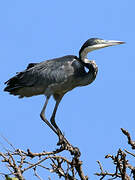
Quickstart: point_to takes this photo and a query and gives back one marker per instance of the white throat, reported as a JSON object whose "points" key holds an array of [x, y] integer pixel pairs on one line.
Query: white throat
{"points": [[84, 53], [91, 48]]}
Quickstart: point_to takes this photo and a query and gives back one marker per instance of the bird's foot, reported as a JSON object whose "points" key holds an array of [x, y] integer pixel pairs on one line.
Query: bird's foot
{"points": [[65, 145], [62, 139], [76, 152]]}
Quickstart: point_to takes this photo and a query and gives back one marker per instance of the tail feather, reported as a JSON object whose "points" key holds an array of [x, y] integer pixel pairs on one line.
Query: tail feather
{"points": [[13, 84], [22, 83]]}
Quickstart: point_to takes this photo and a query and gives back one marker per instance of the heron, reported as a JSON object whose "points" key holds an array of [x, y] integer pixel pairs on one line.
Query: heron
{"points": [[55, 77]]}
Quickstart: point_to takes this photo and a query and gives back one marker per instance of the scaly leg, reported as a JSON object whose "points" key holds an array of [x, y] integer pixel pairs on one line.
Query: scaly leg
{"points": [[54, 113], [42, 115], [61, 136]]}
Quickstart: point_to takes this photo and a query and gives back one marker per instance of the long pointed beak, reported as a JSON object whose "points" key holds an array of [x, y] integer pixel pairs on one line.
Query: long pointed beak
{"points": [[113, 42]]}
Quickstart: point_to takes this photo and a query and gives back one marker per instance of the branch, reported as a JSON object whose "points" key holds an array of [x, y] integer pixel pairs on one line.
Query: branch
{"points": [[120, 162], [18, 162], [132, 143]]}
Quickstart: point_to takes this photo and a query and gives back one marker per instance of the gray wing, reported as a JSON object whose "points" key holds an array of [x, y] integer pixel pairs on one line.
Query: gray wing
{"points": [[40, 75]]}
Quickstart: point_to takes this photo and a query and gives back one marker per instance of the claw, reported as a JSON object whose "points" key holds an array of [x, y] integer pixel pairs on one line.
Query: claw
{"points": [[61, 138]]}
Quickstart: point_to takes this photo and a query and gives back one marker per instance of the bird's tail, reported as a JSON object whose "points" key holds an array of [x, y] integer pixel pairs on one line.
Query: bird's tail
{"points": [[16, 83], [13, 85]]}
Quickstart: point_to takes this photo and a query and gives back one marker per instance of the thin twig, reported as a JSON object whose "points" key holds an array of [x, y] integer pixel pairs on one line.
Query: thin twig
{"points": [[8, 141]]}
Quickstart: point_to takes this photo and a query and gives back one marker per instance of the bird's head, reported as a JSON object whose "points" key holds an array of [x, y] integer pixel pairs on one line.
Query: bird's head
{"points": [[96, 43]]}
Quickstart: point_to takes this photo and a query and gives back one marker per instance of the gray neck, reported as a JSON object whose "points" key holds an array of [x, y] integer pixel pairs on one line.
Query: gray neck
{"points": [[91, 74], [83, 54]]}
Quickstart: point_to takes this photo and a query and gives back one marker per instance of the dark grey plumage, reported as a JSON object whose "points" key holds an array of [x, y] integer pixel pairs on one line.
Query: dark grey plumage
{"points": [[57, 76]]}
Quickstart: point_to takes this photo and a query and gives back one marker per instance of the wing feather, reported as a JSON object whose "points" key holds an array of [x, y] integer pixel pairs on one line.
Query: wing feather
{"points": [[42, 74]]}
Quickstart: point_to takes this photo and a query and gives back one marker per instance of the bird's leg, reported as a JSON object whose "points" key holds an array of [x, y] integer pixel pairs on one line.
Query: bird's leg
{"points": [[61, 136], [42, 115], [53, 115], [62, 140]]}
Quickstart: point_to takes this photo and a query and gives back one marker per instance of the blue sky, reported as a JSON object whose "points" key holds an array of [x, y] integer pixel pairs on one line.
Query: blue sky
{"points": [[90, 116]]}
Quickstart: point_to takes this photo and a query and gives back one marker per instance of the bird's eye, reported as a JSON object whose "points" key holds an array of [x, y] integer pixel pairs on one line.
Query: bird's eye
{"points": [[97, 41]]}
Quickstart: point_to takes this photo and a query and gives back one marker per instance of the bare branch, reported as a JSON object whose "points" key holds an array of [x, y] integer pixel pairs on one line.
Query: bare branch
{"points": [[35, 173], [8, 141], [120, 162], [132, 143]]}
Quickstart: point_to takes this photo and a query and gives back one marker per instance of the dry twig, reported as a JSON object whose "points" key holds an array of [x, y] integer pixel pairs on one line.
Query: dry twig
{"points": [[120, 162], [19, 161]]}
